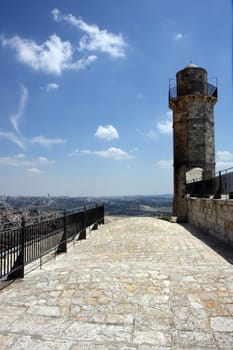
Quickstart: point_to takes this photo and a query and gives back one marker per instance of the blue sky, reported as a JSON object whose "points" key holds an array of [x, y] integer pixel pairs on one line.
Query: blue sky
{"points": [[84, 87]]}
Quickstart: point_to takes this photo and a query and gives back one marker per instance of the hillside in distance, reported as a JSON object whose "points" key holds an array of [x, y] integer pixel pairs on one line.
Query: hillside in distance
{"points": [[156, 205]]}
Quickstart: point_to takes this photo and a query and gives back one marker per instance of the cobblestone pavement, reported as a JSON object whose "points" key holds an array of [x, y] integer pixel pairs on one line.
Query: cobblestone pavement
{"points": [[135, 283]]}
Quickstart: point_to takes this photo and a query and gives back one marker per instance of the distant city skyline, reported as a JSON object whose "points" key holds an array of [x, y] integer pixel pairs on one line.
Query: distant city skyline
{"points": [[84, 92]]}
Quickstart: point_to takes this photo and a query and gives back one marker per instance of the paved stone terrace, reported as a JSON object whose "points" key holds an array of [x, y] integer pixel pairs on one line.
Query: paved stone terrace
{"points": [[135, 283]]}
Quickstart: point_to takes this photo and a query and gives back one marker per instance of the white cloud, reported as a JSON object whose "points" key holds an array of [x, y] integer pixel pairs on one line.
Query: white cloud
{"points": [[178, 36], [224, 160], [14, 119], [151, 134], [165, 126], [14, 138], [107, 132], [50, 86], [34, 171], [46, 142], [94, 39], [52, 56], [43, 161], [13, 161], [21, 160], [82, 63], [56, 15], [20, 156], [224, 155], [112, 152], [164, 164]]}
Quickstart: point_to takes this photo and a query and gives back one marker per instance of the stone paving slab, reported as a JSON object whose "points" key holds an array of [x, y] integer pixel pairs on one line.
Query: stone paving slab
{"points": [[135, 283]]}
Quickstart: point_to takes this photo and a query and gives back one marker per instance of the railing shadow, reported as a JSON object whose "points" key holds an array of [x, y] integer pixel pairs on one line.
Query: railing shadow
{"points": [[220, 247]]}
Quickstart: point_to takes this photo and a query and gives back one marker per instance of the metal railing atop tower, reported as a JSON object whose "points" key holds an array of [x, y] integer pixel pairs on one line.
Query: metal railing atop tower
{"points": [[221, 184], [197, 88]]}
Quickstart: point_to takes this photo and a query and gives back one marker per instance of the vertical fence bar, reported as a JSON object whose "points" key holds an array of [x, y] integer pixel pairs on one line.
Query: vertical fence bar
{"points": [[83, 224], [18, 268], [95, 215], [220, 183], [102, 214], [23, 234], [4, 261], [62, 248]]}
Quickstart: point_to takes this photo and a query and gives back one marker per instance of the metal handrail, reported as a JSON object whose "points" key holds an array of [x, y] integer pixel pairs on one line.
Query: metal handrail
{"points": [[198, 87], [221, 184], [29, 242]]}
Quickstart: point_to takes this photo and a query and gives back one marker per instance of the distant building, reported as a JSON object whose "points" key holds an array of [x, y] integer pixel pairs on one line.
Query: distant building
{"points": [[192, 101]]}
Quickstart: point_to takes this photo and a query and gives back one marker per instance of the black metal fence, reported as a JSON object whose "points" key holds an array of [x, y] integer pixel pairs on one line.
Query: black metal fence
{"points": [[217, 186], [195, 88], [24, 244]]}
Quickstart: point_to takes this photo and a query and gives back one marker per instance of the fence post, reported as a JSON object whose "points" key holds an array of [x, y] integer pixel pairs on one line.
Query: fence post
{"points": [[18, 268], [102, 213], [220, 183], [62, 248], [219, 190], [21, 270], [96, 216], [84, 225]]}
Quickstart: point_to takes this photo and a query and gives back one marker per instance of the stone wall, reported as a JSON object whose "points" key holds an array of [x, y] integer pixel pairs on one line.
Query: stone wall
{"points": [[214, 216]]}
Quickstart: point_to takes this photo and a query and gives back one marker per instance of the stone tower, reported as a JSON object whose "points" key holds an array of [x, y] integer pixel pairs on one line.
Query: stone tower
{"points": [[192, 101]]}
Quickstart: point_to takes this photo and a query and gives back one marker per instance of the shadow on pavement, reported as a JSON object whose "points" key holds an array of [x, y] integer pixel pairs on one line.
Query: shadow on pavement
{"points": [[220, 247]]}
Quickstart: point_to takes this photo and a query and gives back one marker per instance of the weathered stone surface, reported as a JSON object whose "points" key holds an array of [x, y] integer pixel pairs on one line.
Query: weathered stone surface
{"points": [[27, 342], [222, 324], [224, 340], [152, 338], [214, 216], [193, 340], [135, 284], [193, 132]]}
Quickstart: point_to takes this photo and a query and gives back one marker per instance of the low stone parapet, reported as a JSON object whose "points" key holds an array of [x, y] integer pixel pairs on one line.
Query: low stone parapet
{"points": [[214, 216]]}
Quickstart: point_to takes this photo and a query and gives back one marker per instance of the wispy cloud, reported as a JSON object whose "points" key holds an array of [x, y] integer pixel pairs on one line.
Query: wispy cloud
{"points": [[224, 156], [14, 138], [19, 160], [50, 86], [46, 142], [43, 161], [164, 164], [20, 156], [151, 134], [52, 56], [165, 126], [112, 152], [94, 38], [35, 171], [224, 160], [107, 132], [14, 118]]}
